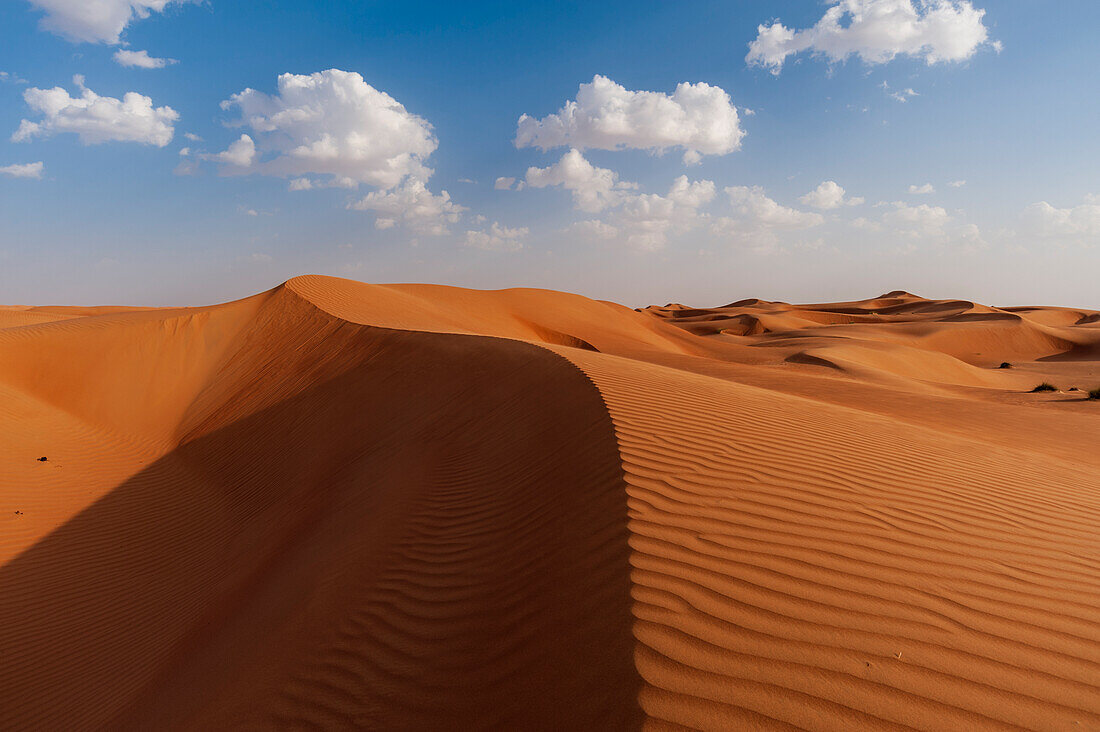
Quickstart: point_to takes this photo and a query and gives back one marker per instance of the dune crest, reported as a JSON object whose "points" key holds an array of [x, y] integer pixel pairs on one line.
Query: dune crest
{"points": [[345, 505]]}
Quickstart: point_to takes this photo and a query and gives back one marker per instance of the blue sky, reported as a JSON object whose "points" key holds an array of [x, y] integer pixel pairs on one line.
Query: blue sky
{"points": [[1001, 95]]}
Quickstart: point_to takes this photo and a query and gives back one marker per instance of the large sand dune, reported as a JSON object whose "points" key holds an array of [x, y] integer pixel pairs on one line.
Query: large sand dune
{"points": [[339, 505]]}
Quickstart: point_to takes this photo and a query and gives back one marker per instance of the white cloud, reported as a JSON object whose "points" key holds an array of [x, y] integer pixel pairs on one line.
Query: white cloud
{"points": [[240, 153], [922, 219], [95, 21], [829, 195], [255, 212], [1046, 221], [498, 238], [6, 77], [921, 225], [192, 137], [957, 183], [595, 229], [922, 190], [141, 59], [699, 118], [877, 31], [866, 224], [188, 164], [342, 132], [755, 209], [503, 184], [641, 220], [23, 170], [97, 119], [646, 220], [969, 237], [594, 189], [903, 95], [414, 205], [335, 123]]}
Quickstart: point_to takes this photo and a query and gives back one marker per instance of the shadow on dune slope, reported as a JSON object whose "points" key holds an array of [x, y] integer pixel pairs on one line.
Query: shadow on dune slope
{"points": [[406, 529]]}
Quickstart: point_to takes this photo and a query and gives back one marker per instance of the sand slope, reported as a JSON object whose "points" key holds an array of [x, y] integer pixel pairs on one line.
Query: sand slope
{"points": [[341, 505]]}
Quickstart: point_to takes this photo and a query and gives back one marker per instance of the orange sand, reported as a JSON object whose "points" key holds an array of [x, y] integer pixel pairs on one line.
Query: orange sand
{"points": [[341, 505]]}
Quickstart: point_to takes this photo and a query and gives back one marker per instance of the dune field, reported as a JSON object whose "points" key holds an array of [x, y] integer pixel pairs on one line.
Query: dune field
{"points": [[337, 505]]}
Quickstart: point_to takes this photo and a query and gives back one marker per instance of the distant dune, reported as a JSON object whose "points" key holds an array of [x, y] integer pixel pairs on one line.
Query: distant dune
{"points": [[338, 505]]}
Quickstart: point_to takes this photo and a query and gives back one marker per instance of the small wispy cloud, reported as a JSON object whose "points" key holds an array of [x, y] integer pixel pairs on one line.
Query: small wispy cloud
{"points": [[141, 59], [23, 170], [901, 95]]}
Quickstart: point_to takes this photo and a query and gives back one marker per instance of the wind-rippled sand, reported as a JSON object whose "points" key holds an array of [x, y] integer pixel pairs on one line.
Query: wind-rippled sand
{"points": [[337, 505]]}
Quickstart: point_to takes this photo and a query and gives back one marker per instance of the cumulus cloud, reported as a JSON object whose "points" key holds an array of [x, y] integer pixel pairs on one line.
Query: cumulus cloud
{"points": [[922, 219], [758, 222], [1046, 221], [498, 238], [23, 170], [919, 225], [95, 21], [641, 220], [97, 119], [699, 118], [594, 189], [647, 220], [969, 237], [595, 229], [6, 77], [240, 153], [141, 59], [333, 129], [414, 205], [755, 209], [333, 123], [877, 31], [866, 224], [504, 184], [922, 190], [829, 195], [957, 183]]}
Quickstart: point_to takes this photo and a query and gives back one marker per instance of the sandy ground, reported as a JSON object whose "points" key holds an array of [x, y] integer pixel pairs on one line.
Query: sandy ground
{"points": [[339, 505]]}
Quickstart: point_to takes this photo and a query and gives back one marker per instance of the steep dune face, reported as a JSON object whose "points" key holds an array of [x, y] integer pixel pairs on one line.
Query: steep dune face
{"points": [[342, 505], [356, 527]]}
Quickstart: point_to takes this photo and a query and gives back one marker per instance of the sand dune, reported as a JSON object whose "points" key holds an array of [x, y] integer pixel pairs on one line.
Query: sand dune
{"points": [[342, 505]]}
